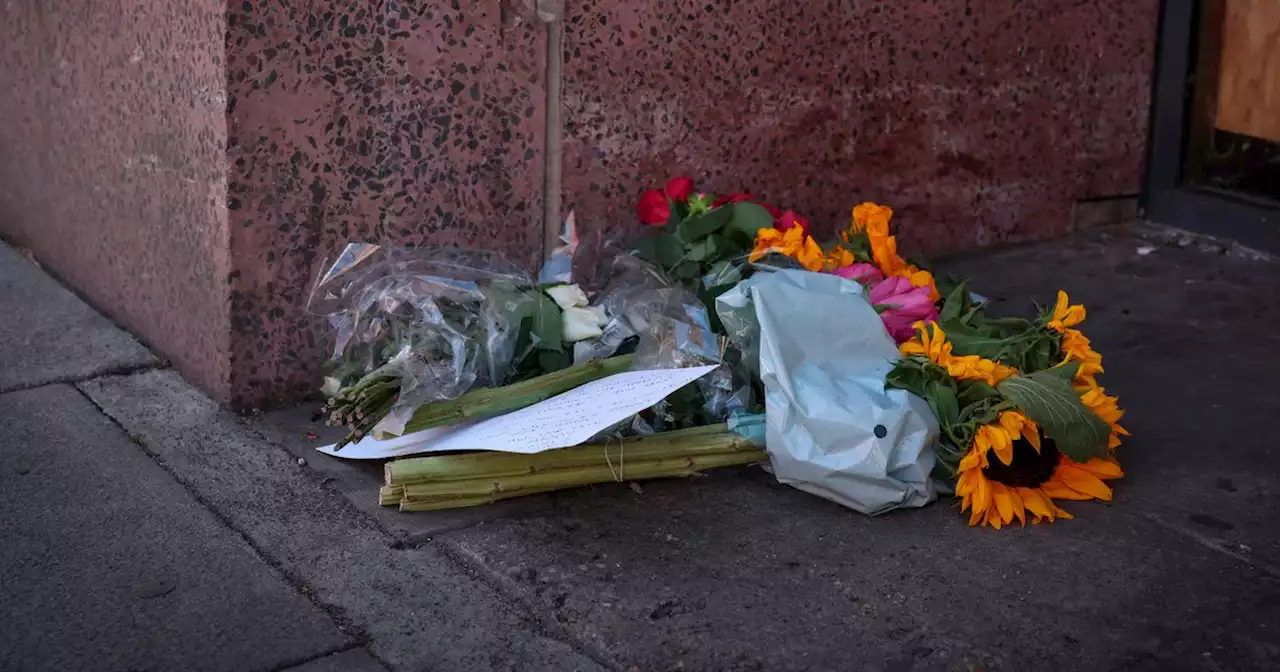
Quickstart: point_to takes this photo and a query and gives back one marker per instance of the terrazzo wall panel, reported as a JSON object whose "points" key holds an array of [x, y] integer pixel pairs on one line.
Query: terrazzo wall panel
{"points": [[113, 167], [189, 165], [979, 122], [409, 121]]}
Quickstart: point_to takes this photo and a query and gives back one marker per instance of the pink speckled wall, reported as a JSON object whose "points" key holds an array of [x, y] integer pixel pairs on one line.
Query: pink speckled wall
{"points": [[112, 164], [980, 122], [189, 165], [409, 122]]}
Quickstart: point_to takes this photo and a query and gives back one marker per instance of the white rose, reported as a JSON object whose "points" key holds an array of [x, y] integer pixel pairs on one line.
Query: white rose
{"points": [[582, 323], [331, 386], [568, 296]]}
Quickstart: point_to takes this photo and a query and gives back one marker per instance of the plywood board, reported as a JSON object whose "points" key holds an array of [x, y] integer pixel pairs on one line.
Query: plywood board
{"points": [[1249, 74]]}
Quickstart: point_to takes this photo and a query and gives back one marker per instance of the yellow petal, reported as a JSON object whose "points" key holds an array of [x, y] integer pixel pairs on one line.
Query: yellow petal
{"points": [[1037, 502], [1063, 514], [1059, 490], [1060, 307], [1102, 468], [1032, 435], [982, 496], [1082, 481], [1004, 451], [1018, 510], [1004, 502]]}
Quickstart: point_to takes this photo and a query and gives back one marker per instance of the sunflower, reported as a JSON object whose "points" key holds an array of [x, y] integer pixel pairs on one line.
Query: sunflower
{"points": [[931, 342], [995, 492], [1065, 315], [1077, 348], [1105, 407]]}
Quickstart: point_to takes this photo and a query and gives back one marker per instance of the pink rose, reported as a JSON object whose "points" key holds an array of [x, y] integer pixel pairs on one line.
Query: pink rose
{"points": [[860, 272], [907, 305]]}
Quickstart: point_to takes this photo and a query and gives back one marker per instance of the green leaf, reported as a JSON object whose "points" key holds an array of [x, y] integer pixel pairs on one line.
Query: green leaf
{"points": [[1040, 354], [955, 305], [547, 324], [942, 399], [1065, 372], [748, 218], [967, 341], [688, 270], [697, 228], [552, 360], [976, 391], [647, 248], [724, 272], [1050, 401], [911, 374], [668, 250], [709, 248]]}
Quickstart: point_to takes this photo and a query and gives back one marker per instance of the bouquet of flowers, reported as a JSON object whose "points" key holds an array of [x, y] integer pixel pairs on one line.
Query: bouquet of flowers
{"points": [[1023, 419], [419, 329], [426, 341]]}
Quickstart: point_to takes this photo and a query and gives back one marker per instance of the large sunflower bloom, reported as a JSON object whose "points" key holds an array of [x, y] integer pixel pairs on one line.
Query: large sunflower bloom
{"points": [[996, 493], [931, 342]]}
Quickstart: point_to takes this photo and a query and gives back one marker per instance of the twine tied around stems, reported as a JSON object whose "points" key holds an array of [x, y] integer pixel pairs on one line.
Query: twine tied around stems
{"points": [[622, 457]]}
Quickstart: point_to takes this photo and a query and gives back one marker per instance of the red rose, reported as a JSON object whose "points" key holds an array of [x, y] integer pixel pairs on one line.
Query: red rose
{"points": [[789, 219], [679, 188], [653, 208], [773, 211], [733, 198]]}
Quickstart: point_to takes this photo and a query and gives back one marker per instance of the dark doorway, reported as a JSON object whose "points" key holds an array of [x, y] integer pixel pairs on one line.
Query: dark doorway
{"points": [[1214, 159]]}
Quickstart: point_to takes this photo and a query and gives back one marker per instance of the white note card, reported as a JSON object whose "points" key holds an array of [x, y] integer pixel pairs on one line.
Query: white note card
{"points": [[564, 420]]}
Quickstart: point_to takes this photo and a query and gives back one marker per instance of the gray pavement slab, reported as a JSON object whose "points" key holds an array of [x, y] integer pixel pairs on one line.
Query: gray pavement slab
{"points": [[107, 563], [297, 431], [418, 607], [355, 660], [49, 335], [735, 572]]}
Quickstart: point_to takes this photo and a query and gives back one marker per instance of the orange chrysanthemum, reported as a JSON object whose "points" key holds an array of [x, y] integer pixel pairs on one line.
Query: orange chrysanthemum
{"points": [[873, 220], [793, 243]]}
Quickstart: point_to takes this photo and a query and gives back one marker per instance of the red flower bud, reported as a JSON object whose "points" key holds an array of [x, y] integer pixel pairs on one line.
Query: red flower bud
{"points": [[653, 208], [679, 188]]}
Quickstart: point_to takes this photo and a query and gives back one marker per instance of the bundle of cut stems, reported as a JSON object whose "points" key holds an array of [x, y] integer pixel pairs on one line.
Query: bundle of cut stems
{"points": [[471, 479], [479, 403]]}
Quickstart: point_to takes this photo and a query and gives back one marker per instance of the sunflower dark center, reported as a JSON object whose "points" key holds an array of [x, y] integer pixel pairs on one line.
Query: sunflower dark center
{"points": [[1029, 469]]}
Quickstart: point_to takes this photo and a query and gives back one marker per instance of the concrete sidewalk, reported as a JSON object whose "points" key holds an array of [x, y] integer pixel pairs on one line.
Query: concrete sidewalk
{"points": [[145, 528]]}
